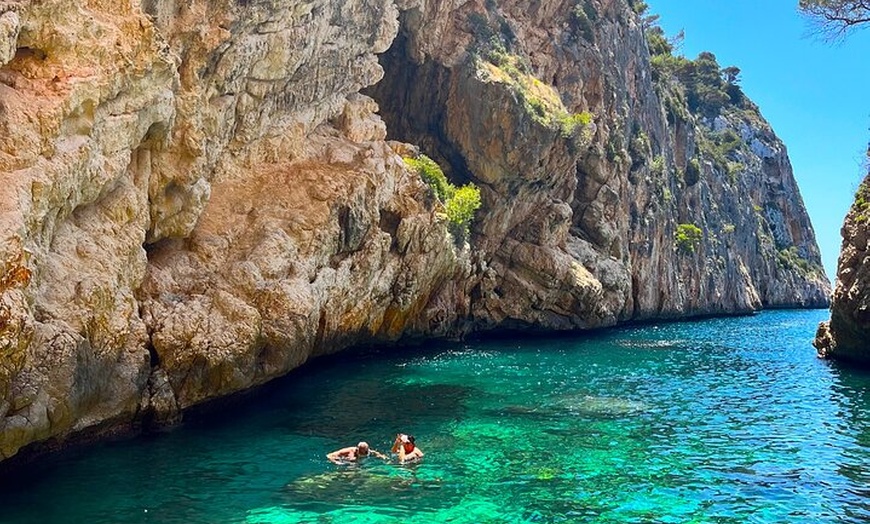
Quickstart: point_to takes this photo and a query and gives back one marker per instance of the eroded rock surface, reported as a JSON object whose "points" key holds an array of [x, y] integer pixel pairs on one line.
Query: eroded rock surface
{"points": [[198, 197], [847, 334]]}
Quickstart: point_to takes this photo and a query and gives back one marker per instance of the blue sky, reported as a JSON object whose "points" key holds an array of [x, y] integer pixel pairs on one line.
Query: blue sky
{"points": [[815, 94]]}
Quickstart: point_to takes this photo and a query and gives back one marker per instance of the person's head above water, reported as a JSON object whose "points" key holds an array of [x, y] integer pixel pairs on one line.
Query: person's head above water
{"points": [[363, 448], [406, 447], [407, 442]]}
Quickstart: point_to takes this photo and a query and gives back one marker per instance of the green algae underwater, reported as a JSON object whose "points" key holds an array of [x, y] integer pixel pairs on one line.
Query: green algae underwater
{"points": [[727, 420]]}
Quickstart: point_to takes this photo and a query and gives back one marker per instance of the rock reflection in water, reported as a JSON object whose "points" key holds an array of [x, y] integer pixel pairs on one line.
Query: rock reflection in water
{"points": [[371, 404]]}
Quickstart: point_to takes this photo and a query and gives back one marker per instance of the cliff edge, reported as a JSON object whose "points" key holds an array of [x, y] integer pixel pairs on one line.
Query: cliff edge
{"points": [[200, 196], [845, 336]]}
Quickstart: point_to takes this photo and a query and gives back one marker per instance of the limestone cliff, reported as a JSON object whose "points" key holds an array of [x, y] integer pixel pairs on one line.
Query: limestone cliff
{"points": [[847, 334], [199, 196]]}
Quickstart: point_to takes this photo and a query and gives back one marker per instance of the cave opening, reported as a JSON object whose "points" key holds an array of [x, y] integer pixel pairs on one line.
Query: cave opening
{"points": [[413, 98]]}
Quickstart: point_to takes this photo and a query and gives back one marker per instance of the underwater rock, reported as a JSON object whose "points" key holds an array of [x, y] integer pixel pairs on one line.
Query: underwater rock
{"points": [[580, 405]]}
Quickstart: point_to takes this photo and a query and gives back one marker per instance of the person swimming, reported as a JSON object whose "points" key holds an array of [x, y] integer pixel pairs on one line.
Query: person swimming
{"points": [[353, 453], [405, 446]]}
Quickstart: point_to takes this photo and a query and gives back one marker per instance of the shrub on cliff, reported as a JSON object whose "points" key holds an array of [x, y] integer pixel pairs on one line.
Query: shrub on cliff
{"points": [[569, 123], [431, 173], [658, 166], [688, 238], [540, 101], [720, 148], [861, 206], [461, 207], [460, 203], [789, 258]]}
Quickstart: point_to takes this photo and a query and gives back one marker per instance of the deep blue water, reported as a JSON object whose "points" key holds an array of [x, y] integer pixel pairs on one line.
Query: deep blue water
{"points": [[727, 421]]}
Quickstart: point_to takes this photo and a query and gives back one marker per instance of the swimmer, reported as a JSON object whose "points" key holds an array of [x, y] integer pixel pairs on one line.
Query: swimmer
{"points": [[353, 453], [405, 446]]}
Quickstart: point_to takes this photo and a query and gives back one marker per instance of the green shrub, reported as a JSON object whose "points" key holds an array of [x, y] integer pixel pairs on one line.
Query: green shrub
{"points": [[688, 237], [460, 203], [639, 148], [733, 169], [640, 142], [657, 166], [862, 202], [719, 147], [639, 6], [431, 173], [540, 101], [727, 141], [665, 65], [615, 148], [461, 207], [658, 42], [569, 123], [789, 258], [584, 17], [537, 106]]}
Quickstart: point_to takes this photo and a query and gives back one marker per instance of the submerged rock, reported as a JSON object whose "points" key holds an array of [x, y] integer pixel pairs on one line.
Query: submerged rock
{"points": [[581, 405]]}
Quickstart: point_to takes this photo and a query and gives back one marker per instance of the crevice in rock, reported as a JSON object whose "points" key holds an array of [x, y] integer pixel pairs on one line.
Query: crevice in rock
{"points": [[159, 407], [154, 356], [413, 101], [389, 224], [30, 53], [23, 66], [321, 331]]}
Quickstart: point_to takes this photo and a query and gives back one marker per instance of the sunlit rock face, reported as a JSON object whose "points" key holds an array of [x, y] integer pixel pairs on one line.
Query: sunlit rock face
{"points": [[847, 334], [200, 196]]}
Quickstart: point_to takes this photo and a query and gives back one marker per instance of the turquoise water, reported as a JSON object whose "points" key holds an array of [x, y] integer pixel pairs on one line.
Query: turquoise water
{"points": [[725, 421]]}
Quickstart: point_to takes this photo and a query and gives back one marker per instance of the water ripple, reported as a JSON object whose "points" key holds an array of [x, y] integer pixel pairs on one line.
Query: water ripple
{"points": [[727, 421]]}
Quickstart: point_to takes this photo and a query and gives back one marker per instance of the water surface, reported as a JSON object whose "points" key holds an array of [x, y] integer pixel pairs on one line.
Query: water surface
{"points": [[726, 421]]}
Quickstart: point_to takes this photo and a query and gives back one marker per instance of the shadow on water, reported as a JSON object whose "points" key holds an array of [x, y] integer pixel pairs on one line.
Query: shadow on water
{"points": [[363, 407], [349, 391]]}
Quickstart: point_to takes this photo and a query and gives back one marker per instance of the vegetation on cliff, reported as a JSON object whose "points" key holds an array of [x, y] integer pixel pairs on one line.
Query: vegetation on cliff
{"points": [[706, 88], [728, 130], [540, 100], [688, 237], [460, 203]]}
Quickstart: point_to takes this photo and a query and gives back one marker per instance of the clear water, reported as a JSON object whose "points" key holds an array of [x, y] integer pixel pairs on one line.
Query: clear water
{"points": [[721, 421]]}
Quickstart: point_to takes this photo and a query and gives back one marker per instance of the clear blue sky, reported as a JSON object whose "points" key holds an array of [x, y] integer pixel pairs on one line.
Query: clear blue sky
{"points": [[815, 94]]}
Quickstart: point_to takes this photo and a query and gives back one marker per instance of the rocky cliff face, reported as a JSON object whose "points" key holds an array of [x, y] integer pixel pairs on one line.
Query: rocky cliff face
{"points": [[845, 336], [199, 196]]}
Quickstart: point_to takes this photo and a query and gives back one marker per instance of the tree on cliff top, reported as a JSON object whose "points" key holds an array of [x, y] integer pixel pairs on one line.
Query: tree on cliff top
{"points": [[836, 17], [708, 87]]}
